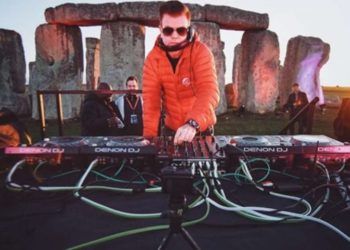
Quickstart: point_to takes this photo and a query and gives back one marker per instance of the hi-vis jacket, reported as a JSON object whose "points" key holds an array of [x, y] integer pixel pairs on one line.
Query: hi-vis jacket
{"points": [[189, 93]]}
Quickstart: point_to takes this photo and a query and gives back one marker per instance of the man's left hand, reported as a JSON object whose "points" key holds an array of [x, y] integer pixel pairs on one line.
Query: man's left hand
{"points": [[184, 133]]}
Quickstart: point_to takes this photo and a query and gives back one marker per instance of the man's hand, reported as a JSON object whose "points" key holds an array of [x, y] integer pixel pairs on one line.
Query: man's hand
{"points": [[184, 133], [115, 122]]}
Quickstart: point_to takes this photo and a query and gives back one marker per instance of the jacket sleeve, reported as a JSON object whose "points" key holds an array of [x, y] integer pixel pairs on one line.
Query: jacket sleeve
{"points": [[289, 103], [151, 91], [305, 100], [90, 118], [206, 88]]}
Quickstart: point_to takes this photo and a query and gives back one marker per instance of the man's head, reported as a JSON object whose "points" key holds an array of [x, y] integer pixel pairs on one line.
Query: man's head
{"points": [[295, 87], [175, 19], [131, 83], [104, 86]]}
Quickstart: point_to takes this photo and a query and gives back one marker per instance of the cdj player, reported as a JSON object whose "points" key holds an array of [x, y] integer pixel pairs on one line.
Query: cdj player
{"points": [[225, 150]]}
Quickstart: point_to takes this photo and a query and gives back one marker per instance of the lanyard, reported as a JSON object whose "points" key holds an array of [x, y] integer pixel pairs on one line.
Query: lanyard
{"points": [[130, 105]]}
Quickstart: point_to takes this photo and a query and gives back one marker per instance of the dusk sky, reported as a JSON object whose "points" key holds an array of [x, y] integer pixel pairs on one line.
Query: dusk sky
{"points": [[325, 19]]}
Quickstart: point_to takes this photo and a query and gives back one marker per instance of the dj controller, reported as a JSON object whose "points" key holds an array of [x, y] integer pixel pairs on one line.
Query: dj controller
{"points": [[225, 150]]}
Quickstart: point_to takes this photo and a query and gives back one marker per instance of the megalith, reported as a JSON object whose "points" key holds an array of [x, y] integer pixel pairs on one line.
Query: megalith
{"points": [[92, 56], [260, 70], [122, 52], [82, 14], [304, 60], [236, 75], [58, 66], [209, 34], [12, 73], [235, 19]]}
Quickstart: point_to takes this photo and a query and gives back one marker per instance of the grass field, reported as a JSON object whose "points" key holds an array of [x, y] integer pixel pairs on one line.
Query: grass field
{"points": [[228, 124]]}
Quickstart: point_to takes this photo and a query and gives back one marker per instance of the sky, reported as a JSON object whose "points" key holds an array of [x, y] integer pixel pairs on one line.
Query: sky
{"points": [[325, 19]]}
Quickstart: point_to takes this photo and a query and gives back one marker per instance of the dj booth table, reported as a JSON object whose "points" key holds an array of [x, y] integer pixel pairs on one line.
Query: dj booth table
{"points": [[60, 220]]}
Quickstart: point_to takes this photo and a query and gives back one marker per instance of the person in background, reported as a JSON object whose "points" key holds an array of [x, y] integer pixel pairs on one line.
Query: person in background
{"points": [[297, 100], [13, 131], [179, 75], [100, 116], [130, 107]]}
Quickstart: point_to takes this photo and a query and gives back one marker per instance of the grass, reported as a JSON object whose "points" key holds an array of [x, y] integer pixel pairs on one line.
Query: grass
{"points": [[228, 124], [271, 124]]}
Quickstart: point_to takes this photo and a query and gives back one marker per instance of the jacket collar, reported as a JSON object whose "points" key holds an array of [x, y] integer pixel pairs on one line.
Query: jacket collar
{"points": [[186, 51]]}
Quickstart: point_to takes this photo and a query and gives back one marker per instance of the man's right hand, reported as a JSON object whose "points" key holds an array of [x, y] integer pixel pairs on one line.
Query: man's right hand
{"points": [[115, 122], [185, 133], [118, 122]]}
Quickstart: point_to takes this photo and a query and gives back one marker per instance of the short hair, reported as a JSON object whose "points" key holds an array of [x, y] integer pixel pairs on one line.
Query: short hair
{"points": [[131, 78], [295, 84], [104, 86], [174, 9]]}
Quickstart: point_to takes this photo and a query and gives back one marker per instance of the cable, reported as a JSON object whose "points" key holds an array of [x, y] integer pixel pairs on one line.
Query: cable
{"points": [[104, 208], [141, 230]]}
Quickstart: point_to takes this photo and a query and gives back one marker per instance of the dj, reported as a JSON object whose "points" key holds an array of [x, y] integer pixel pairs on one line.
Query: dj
{"points": [[179, 73]]}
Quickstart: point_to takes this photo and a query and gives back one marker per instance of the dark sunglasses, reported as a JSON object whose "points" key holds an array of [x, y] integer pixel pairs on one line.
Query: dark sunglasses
{"points": [[168, 31]]}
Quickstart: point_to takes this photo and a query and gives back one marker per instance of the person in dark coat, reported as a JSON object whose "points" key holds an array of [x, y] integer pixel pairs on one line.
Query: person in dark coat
{"points": [[297, 100], [100, 116]]}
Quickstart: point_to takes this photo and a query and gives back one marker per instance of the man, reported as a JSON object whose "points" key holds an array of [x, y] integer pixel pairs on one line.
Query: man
{"points": [[130, 107], [297, 100], [179, 74], [100, 116]]}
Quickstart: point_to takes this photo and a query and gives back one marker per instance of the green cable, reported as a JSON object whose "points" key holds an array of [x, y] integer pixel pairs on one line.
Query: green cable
{"points": [[251, 161], [65, 173], [120, 168], [138, 231], [116, 180]]}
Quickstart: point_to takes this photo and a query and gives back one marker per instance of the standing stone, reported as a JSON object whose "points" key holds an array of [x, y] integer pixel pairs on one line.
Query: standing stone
{"points": [[12, 73], [231, 95], [58, 66], [304, 60], [209, 34], [122, 52], [92, 62], [236, 75], [260, 69]]}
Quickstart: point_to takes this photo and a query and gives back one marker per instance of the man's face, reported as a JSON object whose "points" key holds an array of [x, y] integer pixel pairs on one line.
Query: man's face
{"points": [[132, 85], [295, 89], [173, 22]]}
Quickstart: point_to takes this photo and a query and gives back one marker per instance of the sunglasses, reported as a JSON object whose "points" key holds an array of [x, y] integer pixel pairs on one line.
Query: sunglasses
{"points": [[168, 31]]}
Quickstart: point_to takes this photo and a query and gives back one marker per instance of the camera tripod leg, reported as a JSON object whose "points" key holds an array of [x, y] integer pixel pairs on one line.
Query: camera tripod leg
{"points": [[189, 239], [185, 235]]}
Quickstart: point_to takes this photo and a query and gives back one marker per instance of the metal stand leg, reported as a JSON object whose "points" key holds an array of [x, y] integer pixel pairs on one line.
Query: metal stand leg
{"points": [[176, 205]]}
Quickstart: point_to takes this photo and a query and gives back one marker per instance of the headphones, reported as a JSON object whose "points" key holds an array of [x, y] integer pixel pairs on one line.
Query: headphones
{"points": [[189, 39], [190, 34]]}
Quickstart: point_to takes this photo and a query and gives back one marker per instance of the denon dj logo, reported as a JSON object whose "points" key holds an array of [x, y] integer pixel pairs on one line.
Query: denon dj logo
{"points": [[265, 150], [37, 150], [117, 150]]}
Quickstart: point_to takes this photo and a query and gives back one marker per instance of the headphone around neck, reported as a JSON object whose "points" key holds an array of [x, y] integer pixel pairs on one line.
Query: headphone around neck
{"points": [[189, 39]]}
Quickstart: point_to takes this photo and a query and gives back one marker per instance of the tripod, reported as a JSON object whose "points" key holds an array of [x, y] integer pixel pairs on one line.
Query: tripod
{"points": [[176, 206]]}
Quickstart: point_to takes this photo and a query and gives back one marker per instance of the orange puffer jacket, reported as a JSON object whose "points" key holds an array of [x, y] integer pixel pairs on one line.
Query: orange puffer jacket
{"points": [[190, 93]]}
